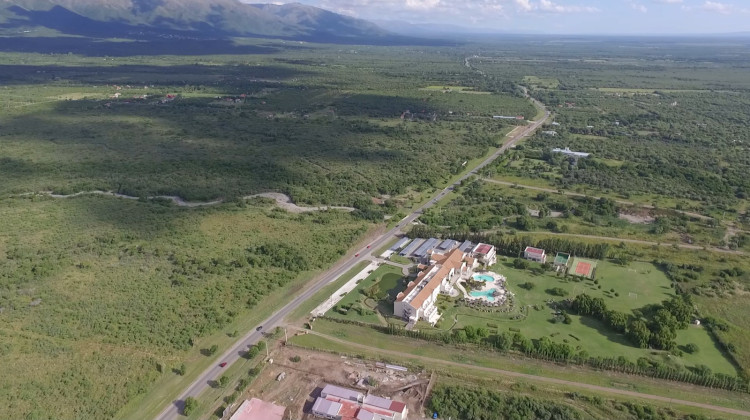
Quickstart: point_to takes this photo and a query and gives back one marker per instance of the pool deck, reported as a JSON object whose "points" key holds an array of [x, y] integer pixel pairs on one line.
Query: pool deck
{"points": [[498, 283]]}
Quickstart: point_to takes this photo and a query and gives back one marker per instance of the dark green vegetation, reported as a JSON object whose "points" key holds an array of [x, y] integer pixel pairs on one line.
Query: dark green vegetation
{"points": [[481, 403], [487, 206], [319, 136], [107, 295]]}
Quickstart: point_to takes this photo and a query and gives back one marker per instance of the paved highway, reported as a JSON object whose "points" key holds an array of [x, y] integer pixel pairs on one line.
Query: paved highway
{"points": [[235, 352]]}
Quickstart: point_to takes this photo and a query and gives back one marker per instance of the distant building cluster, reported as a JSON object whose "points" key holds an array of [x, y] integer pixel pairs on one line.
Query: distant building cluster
{"points": [[566, 151]]}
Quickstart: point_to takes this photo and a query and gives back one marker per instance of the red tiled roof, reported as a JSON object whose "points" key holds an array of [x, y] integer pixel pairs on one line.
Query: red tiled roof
{"points": [[483, 248], [532, 250], [397, 406]]}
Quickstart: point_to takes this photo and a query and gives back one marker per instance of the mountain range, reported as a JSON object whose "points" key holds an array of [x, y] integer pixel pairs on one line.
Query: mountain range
{"points": [[189, 18]]}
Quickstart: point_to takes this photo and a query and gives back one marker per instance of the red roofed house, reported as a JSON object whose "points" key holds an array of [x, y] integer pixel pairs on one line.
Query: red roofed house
{"points": [[418, 300], [255, 409], [534, 254], [486, 254]]}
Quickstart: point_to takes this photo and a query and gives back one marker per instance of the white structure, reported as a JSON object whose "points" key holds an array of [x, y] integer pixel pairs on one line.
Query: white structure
{"points": [[418, 300], [485, 254], [550, 133], [568, 152], [534, 254]]}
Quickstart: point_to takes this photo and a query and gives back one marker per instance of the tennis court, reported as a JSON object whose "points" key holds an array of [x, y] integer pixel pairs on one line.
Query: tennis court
{"points": [[581, 267]]}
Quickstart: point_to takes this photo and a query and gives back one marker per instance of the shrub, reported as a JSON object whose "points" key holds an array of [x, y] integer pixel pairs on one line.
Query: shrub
{"points": [[190, 405], [692, 348]]}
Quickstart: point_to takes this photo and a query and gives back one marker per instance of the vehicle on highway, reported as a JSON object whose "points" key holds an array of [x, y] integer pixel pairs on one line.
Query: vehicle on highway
{"points": [[222, 364], [259, 328], [356, 255]]}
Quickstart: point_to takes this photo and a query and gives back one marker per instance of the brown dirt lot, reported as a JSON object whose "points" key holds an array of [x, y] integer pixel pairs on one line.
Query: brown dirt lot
{"points": [[303, 380]]}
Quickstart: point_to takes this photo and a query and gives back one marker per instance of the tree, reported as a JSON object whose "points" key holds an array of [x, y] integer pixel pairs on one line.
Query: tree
{"points": [[639, 333], [223, 381], [681, 309], [618, 321], [190, 405], [520, 264], [691, 348], [663, 339], [557, 291], [181, 370], [213, 349], [525, 223]]}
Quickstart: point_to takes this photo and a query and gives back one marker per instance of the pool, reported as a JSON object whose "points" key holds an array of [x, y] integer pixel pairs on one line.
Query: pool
{"points": [[484, 278], [487, 294]]}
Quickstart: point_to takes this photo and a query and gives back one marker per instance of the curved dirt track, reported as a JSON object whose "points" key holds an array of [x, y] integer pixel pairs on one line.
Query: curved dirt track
{"points": [[282, 200]]}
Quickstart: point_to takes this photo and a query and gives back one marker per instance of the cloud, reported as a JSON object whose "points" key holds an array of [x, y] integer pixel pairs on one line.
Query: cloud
{"points": [[548, 6], [668, 1], [637, 6], [715, 6]]}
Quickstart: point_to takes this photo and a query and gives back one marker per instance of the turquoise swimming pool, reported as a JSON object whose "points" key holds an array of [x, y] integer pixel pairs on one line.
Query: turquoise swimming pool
{"points": [[484, 278], [487, 294]]}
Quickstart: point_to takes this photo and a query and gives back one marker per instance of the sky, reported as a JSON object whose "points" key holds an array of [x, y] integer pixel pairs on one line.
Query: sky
{"points": [[558, 16]]}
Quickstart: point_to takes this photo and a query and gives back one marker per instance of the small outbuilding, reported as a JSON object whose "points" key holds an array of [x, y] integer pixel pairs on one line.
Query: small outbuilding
{"points": [[534, 254]]}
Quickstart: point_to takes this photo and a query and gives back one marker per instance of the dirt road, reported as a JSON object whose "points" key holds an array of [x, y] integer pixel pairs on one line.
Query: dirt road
{"points": [[282, 200], [556, 381]]}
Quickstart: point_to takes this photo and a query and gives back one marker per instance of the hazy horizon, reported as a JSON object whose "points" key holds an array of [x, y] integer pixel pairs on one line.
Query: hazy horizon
{"points": [[574, 17]]}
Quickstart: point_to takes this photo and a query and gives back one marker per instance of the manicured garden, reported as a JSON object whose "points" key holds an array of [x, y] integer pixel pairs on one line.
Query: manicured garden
{"points": [[538, 311], [372, 297]]}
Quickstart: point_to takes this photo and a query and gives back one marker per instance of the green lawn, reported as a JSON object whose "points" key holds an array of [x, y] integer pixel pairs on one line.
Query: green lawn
{"points": [[533, 315], [362, 308], [400, 260]]}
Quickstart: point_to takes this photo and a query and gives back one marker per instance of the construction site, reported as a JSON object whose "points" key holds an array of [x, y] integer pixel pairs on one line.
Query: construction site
{"points": [[296, 377]]}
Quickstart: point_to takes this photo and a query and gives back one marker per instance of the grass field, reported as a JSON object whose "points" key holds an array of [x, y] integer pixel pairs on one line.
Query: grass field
{"points": [[534, 317], [389, 281]]}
